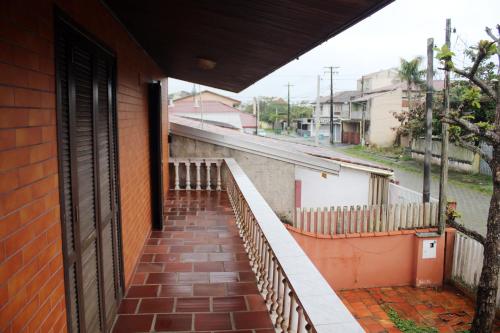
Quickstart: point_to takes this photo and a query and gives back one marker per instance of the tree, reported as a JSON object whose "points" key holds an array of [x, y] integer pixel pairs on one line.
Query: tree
{"points": [[411, 74], [468, 131]]}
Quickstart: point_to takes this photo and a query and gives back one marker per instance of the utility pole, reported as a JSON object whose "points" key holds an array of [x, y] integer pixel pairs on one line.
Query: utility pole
{"points": [[257, 116], [428, 122], [443, 180], [288, 122], [317, 111], [332, 71], [362, 113]]}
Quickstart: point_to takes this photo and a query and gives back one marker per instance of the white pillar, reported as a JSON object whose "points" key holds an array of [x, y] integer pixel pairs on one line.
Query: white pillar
{"points": [[198, 178], [188, 175], [176, 171], [208, 164], [219, 182]]}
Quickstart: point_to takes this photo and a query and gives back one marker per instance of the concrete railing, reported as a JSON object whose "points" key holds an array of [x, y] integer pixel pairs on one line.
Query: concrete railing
{"points": [[296, 294]]}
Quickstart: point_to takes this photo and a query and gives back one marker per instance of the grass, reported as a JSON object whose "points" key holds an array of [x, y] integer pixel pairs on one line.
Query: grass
{"points": [[395, 157], [407, 325]]}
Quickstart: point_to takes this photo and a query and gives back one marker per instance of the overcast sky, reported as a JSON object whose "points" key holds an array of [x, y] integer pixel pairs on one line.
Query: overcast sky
{"points": [[378, 42]]}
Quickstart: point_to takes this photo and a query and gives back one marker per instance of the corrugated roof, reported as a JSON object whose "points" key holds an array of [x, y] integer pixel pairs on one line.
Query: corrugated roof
{"points": [[188, 107]]}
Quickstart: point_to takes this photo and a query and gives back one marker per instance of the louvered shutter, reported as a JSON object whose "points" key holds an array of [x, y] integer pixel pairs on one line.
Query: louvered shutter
{"points": [[89, 181]]}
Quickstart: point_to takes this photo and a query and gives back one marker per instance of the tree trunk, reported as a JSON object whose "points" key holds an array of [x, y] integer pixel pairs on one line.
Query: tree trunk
{"points": [[488, 282]]}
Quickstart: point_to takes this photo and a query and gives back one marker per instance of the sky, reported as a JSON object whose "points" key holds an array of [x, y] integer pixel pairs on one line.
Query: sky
{"points": [[399, 30]]}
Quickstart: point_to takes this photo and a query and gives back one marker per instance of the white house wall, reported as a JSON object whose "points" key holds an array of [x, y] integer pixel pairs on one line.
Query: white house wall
{"points": [[229, 118], [381, 132], [348, 188]]}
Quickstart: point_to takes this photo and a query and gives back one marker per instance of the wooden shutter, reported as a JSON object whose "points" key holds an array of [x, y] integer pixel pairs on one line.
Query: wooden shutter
{"points": [[65, 174], [88, 180]]}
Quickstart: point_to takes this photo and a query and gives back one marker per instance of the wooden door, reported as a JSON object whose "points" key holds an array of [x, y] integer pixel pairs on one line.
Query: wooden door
{"points": [[88, 179]]}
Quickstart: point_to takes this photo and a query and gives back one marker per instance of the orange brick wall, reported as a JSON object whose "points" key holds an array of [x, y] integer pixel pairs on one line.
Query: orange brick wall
{"points": [[31, 271]]}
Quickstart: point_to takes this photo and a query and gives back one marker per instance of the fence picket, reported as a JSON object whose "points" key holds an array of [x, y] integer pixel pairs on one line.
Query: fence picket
{"points": [[333, 227]]}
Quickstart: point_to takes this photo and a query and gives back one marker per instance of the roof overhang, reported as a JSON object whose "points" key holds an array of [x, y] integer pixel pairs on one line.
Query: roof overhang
{"points": [[246, 40]]}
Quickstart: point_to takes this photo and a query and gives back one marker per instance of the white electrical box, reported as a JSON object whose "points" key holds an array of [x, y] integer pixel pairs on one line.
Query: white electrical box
{"points": [[429, 249]]}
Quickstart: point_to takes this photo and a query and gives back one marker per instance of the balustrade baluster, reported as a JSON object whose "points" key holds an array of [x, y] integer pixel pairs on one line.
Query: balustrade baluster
{"points": [[208, 164], [188, 175], [280, 298], [198, 176], [300, 319], [274, 299], [176, 171], [263, 286], [293, 315], [219, 182], [270, 278], [286, 304]]}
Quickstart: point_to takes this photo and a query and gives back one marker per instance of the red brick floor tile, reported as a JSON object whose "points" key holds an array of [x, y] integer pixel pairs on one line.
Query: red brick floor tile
{"points": [[237, 266], [209, 289], [194, 257], [178, 267], [173, 322], [227, 304], [142, 291], [194, 277], [195, 274], [167, 257], [241, 288], [128, 306], [193, 304], [161, 278], [156, 305], [247, 277], [217, 277], [256, 303], [252, 319], [133, 323], [176, 290], [150, 267], [221, 256], [214, 266], [212, 321]]}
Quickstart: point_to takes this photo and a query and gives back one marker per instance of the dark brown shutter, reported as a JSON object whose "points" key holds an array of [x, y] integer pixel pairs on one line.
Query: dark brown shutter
{"points": [[86, 207], [88, 180], [106, 207], [62, 55]]}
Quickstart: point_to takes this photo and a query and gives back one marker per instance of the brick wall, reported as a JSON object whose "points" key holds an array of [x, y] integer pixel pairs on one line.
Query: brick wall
{"points": [[31, 271]]}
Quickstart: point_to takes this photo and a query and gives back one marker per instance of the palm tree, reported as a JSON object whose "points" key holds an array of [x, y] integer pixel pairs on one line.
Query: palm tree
{"points": [[410, 72]]}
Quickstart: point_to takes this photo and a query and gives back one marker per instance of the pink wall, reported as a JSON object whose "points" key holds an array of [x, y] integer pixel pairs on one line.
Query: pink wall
{"points": [[372, 259]]}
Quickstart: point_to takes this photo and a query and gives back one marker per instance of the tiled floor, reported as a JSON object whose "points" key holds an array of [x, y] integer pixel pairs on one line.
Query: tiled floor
{"points": [[194, 275], [447, 310]]}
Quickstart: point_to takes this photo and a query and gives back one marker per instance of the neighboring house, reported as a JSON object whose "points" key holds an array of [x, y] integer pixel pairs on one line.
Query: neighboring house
{"points": [[379, 96], [341, 115], [207, 95], [215, 112]]}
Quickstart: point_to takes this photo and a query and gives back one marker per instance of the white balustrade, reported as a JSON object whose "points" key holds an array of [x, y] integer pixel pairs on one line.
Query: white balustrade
{"points": [[296, 294], [197, 162]]}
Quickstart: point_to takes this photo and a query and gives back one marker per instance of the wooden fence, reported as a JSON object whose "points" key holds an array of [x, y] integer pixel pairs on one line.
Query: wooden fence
{"points": [[468, 263], [374, 218]]}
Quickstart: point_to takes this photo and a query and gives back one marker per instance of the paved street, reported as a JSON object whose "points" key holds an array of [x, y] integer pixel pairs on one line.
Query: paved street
{"points": [[472, 205]]}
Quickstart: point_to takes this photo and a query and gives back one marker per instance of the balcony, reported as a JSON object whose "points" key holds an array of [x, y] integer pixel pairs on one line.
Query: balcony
{"points": [[225, 262]]}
